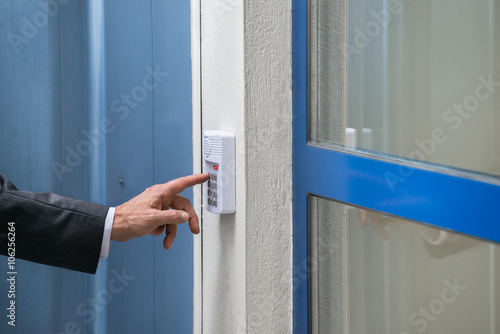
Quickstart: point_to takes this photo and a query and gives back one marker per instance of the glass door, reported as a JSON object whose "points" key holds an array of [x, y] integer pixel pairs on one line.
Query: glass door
{"points": [[396, 166]]}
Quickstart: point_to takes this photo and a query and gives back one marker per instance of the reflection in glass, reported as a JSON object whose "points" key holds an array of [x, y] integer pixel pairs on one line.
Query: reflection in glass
{"points": [[423, 79], [372, 273]]}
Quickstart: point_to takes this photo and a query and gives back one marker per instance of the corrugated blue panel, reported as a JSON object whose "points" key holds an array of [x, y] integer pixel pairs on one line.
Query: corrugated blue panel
{"points": [[25, 97], [130, 158], [84, 81], [42, 114], [148, 100], [173, 158]]}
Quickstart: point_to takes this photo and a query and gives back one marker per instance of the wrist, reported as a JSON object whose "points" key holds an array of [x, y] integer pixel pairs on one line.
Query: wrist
{"points": [[118, 232]]}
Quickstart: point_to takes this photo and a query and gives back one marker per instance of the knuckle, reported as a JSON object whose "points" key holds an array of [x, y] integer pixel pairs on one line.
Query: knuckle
{"points": [[184, 201], [174, 215], [155, 189]]}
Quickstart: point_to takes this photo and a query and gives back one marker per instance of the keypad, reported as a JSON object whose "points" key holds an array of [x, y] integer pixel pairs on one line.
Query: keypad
{"points": [[212, 190]]}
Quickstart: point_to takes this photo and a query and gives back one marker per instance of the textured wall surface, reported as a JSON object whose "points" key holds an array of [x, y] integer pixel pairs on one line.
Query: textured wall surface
{"points": [[246, 89], [224, 237], [268, 120]]}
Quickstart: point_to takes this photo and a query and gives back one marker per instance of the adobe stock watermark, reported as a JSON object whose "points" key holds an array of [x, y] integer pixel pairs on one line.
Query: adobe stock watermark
{"points": [[122, 106], [92, 306], [373, 28], [454, 117], [251, 322], [309, 265], [426, 314], [225, 6], [301, 272], [30, 26]]}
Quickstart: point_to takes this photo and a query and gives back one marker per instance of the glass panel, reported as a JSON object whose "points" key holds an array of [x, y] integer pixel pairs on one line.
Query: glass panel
{"points": [[371, 273], [422, 79]]}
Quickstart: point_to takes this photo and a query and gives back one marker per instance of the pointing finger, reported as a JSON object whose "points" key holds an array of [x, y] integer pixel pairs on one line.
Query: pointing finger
{"points": [[178, 185]]}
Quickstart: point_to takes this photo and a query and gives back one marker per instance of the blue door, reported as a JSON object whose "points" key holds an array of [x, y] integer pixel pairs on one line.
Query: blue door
{"points": [[396, 167], [95, 104]]}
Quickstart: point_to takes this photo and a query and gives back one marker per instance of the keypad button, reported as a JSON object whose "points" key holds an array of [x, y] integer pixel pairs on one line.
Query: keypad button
{"points": [[212, 190]]}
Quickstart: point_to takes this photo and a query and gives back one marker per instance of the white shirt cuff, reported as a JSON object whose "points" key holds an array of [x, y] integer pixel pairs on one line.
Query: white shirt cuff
{"points": [[106, 236]]}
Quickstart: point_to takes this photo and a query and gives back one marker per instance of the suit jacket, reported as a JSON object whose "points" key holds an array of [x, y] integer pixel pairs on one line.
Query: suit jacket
{"points": [[52, 229]]}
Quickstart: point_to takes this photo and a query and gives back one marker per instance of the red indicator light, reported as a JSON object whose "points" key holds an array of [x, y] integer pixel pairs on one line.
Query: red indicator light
{"points": [[216, 167]]}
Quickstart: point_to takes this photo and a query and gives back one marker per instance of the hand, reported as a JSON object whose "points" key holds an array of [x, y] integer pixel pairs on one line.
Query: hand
{"points": [[159, 208], [377, 221]]}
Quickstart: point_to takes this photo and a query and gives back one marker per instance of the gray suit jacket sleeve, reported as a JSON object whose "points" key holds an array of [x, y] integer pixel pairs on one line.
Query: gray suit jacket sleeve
{"points": [[52, 229]]}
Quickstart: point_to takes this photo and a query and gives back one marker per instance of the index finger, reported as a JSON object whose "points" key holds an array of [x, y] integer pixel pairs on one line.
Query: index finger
{"points": [[178, 185]]}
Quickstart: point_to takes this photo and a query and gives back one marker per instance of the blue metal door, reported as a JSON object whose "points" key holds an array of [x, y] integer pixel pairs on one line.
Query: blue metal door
{"points": [[95, 103]]}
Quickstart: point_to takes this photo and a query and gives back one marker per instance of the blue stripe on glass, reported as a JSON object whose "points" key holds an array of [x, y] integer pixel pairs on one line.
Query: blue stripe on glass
{"points": [[445, 201]]}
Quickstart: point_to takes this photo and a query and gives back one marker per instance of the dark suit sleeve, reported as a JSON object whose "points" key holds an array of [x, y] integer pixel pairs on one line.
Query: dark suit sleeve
{"points": [[52, 229]]}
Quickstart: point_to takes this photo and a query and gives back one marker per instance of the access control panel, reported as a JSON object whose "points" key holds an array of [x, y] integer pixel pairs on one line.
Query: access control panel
{"points": [[219, 156]]}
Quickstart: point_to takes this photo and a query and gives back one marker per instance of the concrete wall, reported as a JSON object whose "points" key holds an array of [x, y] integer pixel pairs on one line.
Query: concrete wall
{"points": [[246, 89]]}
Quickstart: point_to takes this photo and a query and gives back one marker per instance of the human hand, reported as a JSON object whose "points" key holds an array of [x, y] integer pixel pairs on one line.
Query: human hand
{"points": [[159, 208], [380, 222], [377, 221]]}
